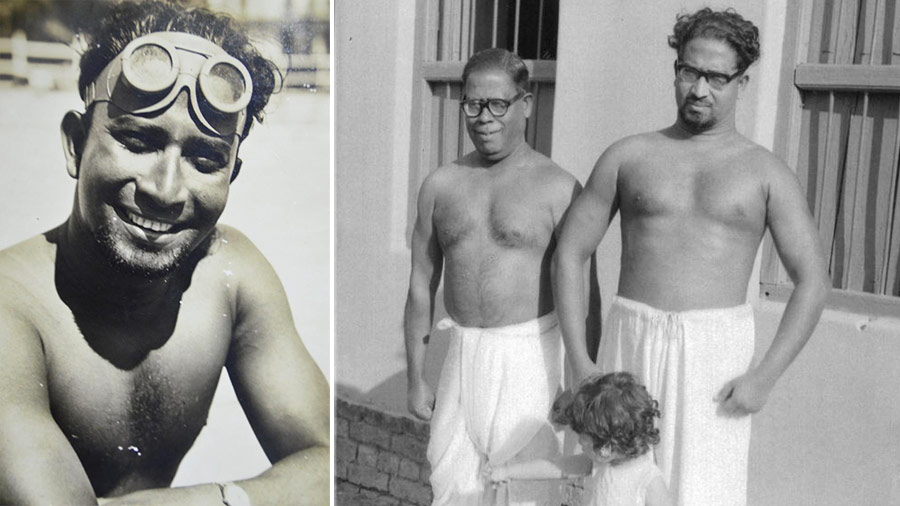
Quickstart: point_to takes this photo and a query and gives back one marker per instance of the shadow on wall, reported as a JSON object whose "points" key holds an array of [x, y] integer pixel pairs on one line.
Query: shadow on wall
{"points": [[391, 392]]}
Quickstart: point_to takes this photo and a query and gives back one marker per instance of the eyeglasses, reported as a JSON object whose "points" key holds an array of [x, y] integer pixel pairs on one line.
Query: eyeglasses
{"points": [[152, 70], [716, 80], [497, 106]]}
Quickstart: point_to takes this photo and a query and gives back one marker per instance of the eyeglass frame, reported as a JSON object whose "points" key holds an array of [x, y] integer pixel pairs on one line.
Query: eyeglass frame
{"points": [[486, 102], [679, 65]]}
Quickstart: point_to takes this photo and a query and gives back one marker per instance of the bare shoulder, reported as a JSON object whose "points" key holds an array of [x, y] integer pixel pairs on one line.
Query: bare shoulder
{"points": [[633, 146], [26, 276], [552, 179], [442, 179], [773, 172], [232, 250], [624, 153]]}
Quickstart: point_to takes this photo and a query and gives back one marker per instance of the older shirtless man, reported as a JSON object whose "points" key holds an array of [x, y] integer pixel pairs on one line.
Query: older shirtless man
{"points": [[489, 220], [115, 326], [695, 200]]}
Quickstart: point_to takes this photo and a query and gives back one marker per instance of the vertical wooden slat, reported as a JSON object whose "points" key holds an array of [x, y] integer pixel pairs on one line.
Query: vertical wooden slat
{"points": [[540, 29], [543, 141], [883, 187], [845, 48], [473, 18], [890, 274], [856, 201], [516, 27], [454, 29], [530, 130], [495, 24], [859, 273], [894, 54]]}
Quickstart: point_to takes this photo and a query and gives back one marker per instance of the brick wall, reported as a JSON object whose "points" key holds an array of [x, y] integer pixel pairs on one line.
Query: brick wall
{"points": [[380, 459]]}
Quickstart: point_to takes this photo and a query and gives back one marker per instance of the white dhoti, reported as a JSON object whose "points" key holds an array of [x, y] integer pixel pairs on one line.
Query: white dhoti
{"points": [[492, 405], [684, 359]]}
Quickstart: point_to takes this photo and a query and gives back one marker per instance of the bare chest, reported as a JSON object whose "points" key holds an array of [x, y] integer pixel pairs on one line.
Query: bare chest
{"points": [[131, 397], [732, 196], [511, 220]]}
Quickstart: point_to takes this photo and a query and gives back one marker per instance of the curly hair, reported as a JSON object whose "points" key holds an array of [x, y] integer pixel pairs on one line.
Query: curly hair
{"points": [[614, 410], [727, 25], [499, 59], [126, 21]]}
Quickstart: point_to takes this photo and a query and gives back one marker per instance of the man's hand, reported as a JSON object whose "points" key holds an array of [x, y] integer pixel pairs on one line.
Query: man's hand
{"points": [[744, 395], [493, 474], [420, 400]]}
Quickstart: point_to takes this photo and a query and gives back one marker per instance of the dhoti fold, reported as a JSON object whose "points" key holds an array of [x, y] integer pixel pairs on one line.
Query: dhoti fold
{"points": [[492, 406], [684, 359]]}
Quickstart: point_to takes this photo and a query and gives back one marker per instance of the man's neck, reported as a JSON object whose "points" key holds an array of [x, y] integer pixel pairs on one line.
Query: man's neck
{"points": [[510, 159], [719, 131], [84, 269]]}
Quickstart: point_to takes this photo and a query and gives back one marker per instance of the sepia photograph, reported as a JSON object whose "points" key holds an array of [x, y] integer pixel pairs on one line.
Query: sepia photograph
{"points": [[165, 252], [617, 252]]}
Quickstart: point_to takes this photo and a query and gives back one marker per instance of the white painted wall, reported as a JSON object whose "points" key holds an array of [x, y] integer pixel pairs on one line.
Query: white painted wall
{"points": [[373, 55]]}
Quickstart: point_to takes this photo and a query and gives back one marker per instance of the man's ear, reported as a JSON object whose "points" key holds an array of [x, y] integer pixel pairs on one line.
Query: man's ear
{"points": [[528, 100], [73, 135], [743, 82], [237, 169]]}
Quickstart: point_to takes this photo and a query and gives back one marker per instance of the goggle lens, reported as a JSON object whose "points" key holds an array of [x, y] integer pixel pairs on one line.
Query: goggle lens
{"points": [[225, 84], [151, 67]]}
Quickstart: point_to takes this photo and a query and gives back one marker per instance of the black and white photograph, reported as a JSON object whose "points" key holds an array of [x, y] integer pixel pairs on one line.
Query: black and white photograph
{"points": [[610, 253]]}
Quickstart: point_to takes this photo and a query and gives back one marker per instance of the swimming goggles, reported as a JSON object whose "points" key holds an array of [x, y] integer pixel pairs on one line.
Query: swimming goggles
{"points": [[151, 71]]}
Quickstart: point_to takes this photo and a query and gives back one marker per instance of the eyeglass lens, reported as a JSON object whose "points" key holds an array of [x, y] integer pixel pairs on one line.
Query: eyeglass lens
{"points": [[691, 75], [497, 107]]}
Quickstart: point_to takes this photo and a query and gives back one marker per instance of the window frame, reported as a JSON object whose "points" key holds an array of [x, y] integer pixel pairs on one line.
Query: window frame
{"points": [[796, 77]]}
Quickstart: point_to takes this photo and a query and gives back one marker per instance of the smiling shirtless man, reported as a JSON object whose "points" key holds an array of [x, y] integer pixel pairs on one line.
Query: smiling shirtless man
{"points": [[115, 326], [489, 221]]}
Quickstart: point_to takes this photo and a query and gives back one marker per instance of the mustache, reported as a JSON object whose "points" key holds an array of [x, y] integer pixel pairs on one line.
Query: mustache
{"points": [[698, 101]]}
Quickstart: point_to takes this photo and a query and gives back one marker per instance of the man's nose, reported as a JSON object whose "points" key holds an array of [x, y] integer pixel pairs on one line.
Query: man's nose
{"points": [[164, 184], [485, 114], [700, 88]]}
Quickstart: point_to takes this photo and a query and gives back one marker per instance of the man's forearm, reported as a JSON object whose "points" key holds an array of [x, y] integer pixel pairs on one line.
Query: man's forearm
{"points": [[568, 293], [416, 329], [801, 314], [300, 479]]}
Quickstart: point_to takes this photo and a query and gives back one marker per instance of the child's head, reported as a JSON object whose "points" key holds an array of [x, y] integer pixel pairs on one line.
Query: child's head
{"points": [[613, 412]]}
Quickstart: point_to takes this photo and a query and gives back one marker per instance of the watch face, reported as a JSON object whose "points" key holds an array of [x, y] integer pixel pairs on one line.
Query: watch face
{"points": [[234, 495]]}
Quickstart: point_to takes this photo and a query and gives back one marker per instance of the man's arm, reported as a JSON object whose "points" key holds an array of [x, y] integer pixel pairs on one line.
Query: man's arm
{"points": [[37, 463], [280, 387], [566, 466], [585, 225], [800, 250], [424, 278], [592, 321]]}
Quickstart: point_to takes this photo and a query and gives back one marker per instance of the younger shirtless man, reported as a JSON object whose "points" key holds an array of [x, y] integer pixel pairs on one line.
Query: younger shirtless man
{"points": [[115, 326], [695, 200], [489, 221]]}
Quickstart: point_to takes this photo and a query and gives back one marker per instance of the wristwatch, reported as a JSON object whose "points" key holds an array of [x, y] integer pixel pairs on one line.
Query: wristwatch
{"points": [[233, 494]]}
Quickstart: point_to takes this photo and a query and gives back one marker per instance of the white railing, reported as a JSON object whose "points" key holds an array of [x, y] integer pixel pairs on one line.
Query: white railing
{"points": [[53, 65]]}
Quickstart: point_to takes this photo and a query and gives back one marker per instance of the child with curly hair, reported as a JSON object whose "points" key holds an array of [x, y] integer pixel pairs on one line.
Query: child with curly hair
{"points": [[613, 417]]}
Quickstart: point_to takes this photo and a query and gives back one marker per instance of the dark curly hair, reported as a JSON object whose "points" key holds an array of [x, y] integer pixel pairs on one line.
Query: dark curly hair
{"points": [[127, 21], [727, 25], [614, 410], [499, 59]]}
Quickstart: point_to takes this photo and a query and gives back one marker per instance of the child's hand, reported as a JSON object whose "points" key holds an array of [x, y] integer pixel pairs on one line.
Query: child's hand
{"points": [[493, 474]]}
